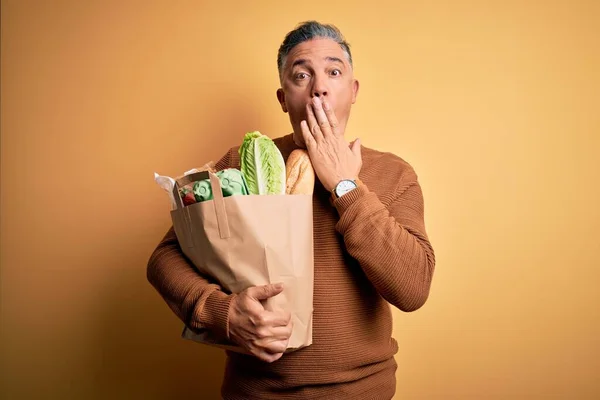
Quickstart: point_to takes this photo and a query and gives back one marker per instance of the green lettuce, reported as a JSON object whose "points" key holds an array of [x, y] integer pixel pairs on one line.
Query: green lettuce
{"points": [[262, 164]]}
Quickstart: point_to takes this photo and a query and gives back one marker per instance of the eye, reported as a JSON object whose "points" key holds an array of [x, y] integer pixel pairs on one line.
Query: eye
{"points": [[301, 75], [336, 72]]}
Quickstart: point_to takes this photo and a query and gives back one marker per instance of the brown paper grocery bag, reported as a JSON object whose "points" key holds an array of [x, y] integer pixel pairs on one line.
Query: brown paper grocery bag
{"points": [[249, 240]]}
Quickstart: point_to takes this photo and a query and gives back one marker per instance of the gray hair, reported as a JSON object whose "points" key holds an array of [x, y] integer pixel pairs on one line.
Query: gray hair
{"points": [[307, 31]]}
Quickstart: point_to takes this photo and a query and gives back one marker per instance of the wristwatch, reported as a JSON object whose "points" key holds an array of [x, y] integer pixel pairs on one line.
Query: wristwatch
{"points": [[344, 187]]}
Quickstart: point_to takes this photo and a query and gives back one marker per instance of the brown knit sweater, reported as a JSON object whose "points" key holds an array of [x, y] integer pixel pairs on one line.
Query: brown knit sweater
{"points": [[371, 249]]}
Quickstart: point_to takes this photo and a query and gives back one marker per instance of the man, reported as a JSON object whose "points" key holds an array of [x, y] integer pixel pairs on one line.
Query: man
{"points": [[371, 249]]}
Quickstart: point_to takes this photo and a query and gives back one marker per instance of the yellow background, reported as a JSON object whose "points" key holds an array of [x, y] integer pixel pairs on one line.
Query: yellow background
{"points": [[494, 103]]}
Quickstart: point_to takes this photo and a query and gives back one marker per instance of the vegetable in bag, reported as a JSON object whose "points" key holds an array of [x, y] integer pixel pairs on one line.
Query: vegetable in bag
{"points": [[262, 164]]}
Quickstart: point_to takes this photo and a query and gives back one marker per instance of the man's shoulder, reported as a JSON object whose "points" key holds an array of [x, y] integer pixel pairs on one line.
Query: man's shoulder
{"points": [[231, 159], [385, 162], [235, 156], [385, 173]]}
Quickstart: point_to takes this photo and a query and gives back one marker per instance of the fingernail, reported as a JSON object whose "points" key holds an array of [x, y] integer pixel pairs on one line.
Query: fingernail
{"points": [[278, 286], [316, 101], [325, 105]]}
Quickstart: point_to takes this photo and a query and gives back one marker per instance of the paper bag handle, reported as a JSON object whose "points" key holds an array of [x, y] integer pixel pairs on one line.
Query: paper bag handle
{"points": [[219, 203], [218, 200]]}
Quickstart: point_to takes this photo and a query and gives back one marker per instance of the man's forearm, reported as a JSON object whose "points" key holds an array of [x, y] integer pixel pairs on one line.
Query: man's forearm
{"points": [[198, 302], [389, 243]]}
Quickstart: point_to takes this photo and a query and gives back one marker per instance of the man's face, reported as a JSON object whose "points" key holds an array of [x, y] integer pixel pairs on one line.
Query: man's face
{"points": [[317, 67]]}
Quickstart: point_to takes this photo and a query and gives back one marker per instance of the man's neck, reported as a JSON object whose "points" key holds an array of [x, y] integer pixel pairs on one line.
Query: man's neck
{"points": [[298, 142]]}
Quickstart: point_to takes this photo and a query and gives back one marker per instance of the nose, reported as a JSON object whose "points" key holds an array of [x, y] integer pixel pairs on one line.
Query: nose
{"points": [[319, 88]]}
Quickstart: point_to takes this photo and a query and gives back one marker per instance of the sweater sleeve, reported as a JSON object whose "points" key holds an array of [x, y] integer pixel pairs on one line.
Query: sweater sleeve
{"points": [[197, 301], [390, 242]]}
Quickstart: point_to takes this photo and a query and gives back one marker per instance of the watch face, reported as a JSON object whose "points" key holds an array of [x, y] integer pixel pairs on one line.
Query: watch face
{"points": [[344, 187]]}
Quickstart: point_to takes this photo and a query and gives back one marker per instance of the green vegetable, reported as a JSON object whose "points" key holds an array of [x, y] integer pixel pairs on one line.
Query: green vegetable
{"points": [[262, 164]]}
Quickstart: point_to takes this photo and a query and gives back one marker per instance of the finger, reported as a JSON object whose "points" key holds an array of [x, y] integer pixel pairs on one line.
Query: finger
{"points": [[276, 347], [277, 319], [312, 123], [333, 122], [267, 335], [268, 357], [265, 292], [281, 332], [309, 140], [321, 117]]}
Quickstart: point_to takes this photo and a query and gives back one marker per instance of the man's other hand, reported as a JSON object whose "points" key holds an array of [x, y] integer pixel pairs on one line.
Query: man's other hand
{"points": [[332, 157], [263, 333]]}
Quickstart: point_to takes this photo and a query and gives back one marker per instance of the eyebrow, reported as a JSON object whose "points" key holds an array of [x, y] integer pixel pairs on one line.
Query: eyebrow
{"points": [[302, 61], [334, 59]]}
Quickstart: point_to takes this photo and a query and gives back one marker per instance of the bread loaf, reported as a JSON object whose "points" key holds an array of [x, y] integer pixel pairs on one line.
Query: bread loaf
{"points": [[300, 176]]}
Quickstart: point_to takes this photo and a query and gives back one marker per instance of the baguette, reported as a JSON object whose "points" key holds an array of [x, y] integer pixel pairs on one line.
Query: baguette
{"points": [[299, 173]]}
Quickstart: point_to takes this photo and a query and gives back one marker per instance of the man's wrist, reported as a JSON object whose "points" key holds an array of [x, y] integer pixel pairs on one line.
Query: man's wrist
{"points": [[343, 187], [214, 316], [346, 201]]}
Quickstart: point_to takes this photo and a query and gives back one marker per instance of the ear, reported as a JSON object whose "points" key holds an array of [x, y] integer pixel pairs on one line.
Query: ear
{"points": [[281, 99], [355, 86]]}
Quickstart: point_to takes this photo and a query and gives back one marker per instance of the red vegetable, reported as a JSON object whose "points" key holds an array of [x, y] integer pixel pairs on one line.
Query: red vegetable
{"points": [[189, 199]]}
